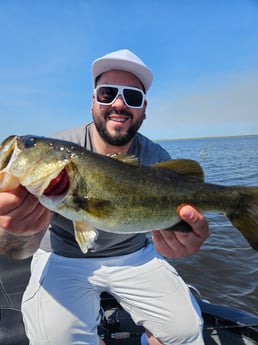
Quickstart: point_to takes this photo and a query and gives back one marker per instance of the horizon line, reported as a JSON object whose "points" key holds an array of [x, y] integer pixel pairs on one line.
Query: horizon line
{"points": [[209, 137]]}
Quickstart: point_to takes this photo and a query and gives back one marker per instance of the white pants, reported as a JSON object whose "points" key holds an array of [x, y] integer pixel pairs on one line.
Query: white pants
{"points": [[61, 303]]}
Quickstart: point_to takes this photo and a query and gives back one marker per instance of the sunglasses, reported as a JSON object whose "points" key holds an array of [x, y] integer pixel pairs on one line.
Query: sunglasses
{"points": [[107, 94]]}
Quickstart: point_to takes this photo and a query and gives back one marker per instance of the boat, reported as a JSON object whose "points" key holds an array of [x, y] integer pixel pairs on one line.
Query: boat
{"points": [[223, 325]]}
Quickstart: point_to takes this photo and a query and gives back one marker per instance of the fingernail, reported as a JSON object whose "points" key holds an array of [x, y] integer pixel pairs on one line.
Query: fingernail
{"points": [[187, 213]]}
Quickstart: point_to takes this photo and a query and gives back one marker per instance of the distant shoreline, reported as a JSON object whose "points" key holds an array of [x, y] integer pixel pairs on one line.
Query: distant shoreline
{"points": [[213, 137]]}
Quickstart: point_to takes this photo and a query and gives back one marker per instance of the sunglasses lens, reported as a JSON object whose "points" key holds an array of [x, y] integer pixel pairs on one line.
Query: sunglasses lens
{"points": [[106, 94], [133, 98]]}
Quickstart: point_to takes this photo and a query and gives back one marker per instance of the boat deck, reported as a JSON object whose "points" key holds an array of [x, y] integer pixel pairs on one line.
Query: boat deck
{"points": [[223, 325]]}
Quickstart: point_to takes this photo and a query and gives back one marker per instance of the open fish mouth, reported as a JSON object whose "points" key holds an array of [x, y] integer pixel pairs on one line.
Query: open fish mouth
{"points": [[59, 186]]}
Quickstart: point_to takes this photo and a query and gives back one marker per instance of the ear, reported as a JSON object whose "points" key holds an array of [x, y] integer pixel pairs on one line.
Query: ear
{"points": [[145, 107], [92, 102]]}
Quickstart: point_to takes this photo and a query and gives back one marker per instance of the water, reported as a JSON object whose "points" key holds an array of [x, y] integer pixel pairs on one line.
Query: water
{"points": [[225, 270]]}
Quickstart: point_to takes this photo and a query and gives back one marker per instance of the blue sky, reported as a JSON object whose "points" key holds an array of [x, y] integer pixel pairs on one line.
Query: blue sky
{"points": [[203, 53]]}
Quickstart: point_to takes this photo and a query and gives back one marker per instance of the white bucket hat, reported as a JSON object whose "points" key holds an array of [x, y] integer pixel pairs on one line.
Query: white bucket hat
{"points": [[123, 60]]}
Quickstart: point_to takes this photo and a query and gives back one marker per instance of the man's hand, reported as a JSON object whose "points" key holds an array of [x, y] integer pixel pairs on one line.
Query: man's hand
{"points": [[172, 244], [21, 213], [23, 222]]}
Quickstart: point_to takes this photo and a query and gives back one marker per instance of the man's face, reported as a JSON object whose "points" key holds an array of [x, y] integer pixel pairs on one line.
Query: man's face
{"points": [[118, 123]]}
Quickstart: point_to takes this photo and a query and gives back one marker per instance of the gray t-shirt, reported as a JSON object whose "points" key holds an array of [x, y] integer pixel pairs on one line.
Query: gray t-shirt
{"points": [[61, 239]]}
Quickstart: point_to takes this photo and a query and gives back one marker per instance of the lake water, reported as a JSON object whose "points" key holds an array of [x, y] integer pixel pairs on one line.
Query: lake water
{"points": [[225, 270]]}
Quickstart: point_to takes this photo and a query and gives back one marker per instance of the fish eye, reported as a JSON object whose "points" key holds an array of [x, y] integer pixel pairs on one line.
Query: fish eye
{"points": [[29, 141]]}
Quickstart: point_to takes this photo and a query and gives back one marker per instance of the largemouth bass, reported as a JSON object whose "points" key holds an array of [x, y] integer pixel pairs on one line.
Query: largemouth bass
{"points": [[108, 193]]}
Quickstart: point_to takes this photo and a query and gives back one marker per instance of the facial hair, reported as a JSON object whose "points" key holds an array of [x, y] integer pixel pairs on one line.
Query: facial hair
{"points": [[119, 139]]}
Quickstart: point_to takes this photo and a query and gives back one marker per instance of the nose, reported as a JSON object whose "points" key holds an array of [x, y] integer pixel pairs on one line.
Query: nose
{"points": [[119, 102]]}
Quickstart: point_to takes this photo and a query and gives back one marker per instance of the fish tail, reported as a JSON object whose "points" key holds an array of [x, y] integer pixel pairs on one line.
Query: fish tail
{"points": [[245, 216]]}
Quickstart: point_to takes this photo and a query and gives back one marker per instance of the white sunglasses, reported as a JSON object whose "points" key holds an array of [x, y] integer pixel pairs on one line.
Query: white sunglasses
{"points": [[106, 94]]}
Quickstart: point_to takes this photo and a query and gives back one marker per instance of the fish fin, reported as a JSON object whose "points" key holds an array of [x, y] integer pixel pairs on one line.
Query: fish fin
{"points": [[187, 167], [98, 208], [85, 236], [245, 217], [123, 157]]}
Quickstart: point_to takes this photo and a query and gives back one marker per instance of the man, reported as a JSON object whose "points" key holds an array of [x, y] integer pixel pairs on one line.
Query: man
{"points": [[61, 302]]}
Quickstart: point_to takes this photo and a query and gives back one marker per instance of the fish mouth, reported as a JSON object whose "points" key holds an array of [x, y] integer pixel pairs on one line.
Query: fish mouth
{"points": [[59, 186]]}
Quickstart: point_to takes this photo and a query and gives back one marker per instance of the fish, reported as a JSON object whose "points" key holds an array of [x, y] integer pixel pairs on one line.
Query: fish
{"points": [[116, 193]]}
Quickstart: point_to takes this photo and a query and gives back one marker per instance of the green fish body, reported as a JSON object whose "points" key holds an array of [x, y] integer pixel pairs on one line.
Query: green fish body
{"points": [[114, 195]]}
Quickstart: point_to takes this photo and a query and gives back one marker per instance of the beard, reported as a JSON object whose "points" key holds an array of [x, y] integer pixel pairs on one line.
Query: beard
{"points": [[119, 138]]}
